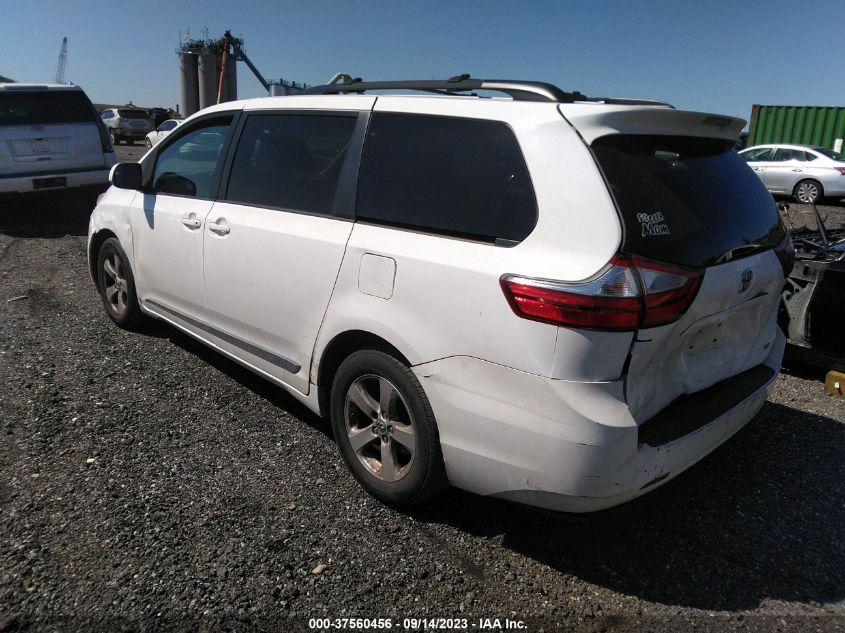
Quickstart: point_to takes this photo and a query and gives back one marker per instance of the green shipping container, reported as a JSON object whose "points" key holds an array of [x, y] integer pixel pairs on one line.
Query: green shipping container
{"points": [[802, 125]]}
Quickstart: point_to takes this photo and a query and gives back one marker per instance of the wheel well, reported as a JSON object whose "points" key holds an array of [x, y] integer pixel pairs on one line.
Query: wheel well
{"points": [[340, 347], [96, 242]]}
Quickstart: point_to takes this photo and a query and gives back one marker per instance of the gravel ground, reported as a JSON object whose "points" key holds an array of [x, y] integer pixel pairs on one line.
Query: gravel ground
{"points": [[147, 483]]}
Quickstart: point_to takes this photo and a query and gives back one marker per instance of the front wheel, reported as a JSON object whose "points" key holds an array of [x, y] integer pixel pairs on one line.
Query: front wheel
{"points": [[117, 286], [385, 429], [807, 191]]}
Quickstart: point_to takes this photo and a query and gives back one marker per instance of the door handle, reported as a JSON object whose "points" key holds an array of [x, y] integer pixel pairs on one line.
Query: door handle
{"points": [[797, 169], [192, 223], [220, 227]]}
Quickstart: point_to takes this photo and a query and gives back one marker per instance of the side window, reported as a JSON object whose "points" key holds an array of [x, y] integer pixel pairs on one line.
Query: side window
{"points": [[290, 161], [167, 126], [754, 155], [784, 154], [809, 156], [188, 166], [454, 176]]}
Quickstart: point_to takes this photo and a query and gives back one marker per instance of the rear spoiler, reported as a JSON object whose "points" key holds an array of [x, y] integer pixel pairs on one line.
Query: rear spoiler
{"points": [[593, 123]]}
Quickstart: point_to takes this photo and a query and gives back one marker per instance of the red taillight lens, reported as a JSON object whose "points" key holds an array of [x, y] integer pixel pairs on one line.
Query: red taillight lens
{"points": [[668, 290], [841, 170], [786, 254], [614, 301]]}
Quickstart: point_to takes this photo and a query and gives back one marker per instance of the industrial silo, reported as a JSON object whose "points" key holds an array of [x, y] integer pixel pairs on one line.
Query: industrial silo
{"points": [[189, 83], [208, 69]]}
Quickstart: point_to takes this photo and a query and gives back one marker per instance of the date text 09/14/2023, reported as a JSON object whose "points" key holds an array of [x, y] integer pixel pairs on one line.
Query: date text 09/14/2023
{"points": [[417, 624]]}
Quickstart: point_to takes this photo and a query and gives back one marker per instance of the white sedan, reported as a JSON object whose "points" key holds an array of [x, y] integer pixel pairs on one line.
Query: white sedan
{"points": [[161, 131], [807, 173]]}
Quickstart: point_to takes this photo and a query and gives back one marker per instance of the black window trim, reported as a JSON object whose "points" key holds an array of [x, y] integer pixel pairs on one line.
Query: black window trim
{"points": [[347, 186], [455, 235], [148, 166]]}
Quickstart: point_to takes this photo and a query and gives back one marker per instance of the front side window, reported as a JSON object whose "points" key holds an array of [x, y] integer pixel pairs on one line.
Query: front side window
{"points": [[448, 175], [290, 161], [754, 155], [189, 165]]}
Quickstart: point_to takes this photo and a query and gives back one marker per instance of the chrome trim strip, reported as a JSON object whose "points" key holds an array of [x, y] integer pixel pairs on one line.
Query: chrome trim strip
{"points": [[259, 352]]}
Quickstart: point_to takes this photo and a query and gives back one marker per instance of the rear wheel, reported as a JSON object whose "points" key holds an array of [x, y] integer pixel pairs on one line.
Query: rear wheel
{"points": [[385, 429], [807, 191], [115, 139], [117, 286]]}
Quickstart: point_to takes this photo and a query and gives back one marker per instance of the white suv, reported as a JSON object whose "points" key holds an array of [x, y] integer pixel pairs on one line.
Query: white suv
{"points": [[51, 138], [550, 299]]}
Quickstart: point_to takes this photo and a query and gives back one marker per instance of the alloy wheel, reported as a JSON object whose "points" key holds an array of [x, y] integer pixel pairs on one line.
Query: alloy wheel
{"points": [[807, 192], [380, 427], [116, 287]]}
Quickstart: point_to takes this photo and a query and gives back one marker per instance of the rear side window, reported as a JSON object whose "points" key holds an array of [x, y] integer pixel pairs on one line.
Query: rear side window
{"points": [[463, 177], [290, 161], [45, 107], [688, 201], [784, 153]]}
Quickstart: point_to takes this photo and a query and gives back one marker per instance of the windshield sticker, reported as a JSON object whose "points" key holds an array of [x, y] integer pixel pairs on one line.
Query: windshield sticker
{"points": [[653, 224]]}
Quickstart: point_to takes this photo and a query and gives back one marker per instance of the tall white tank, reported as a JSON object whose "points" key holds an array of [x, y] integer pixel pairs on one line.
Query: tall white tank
{"points": [[188, 83], [208, 69]]}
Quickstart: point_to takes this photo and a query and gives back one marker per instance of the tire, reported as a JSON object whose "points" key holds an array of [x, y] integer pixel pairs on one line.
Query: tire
{"points": [[117, 286], [115, 139], [404, 439], [148, 143], [807, 191]]}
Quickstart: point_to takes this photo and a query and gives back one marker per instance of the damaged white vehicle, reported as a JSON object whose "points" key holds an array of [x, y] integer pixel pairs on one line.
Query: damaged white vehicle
{"points": [[547, 298]]}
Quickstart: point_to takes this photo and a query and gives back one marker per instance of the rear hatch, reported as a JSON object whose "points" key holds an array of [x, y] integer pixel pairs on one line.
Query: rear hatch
{"points": [[690, 205], [48, 131]]}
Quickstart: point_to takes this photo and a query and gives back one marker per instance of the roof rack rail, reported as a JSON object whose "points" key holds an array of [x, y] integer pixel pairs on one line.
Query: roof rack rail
{"points": [[343, 83]]}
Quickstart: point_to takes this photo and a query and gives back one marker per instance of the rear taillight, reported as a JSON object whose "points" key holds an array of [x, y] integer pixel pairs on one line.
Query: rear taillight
{"points": [[786, 254], [633, 292], [841, 170]]}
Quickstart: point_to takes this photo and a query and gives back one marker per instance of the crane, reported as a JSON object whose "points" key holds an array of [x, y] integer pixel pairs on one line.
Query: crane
{"points": [[60, 67]]}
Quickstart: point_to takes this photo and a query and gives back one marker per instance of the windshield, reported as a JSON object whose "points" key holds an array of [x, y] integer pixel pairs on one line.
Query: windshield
{"points": [[689, 201], [828, 152], [132, 114], [44, 107]]}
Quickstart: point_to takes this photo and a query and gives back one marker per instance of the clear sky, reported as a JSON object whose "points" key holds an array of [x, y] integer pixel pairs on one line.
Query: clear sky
{"points": [[711, 55]]}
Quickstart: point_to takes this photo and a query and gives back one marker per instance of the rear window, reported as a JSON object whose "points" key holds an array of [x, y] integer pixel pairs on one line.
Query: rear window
{"points": [[132, 114], [689, 201], [45, 107], [453, 176]]}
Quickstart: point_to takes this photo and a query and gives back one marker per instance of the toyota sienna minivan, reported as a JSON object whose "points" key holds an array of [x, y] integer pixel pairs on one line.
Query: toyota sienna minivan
{"points": [[553, 299]]}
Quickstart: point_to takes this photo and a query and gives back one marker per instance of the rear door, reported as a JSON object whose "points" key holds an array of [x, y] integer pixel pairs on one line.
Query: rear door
{"points": [[273, 246], [48, 131], [785, 169], [692, 202]]}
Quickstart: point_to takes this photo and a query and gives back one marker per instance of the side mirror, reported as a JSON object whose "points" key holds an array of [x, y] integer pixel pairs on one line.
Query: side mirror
{"points": [[126, 176]]}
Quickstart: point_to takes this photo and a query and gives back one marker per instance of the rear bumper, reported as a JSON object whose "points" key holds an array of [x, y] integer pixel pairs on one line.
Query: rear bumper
{"points": [[565, 446], [131, 133], [25, 183]]}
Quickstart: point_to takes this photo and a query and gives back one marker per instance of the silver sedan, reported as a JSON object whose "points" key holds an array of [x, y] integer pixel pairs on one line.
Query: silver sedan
{"points": [[805, 172]]}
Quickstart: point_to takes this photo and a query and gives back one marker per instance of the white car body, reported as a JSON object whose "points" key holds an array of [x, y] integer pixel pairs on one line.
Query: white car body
{"points": [[162, 131], [526, 411], [784, 166], [48, 148]]}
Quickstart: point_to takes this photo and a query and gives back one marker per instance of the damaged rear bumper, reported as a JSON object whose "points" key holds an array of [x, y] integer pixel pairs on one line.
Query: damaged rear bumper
{"points": [[574, 447]]}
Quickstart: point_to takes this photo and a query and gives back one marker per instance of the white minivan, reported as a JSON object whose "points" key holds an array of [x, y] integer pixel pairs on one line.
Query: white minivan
{"points": [[547, 298], [51, 137]]}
